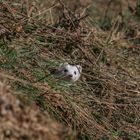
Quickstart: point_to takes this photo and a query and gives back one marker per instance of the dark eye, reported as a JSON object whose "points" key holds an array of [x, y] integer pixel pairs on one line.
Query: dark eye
{"points": [[75, 72], [65, 70]]}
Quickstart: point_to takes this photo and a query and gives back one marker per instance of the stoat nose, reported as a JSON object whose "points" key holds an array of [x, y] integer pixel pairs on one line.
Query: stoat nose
{"points": [[70, 75]]}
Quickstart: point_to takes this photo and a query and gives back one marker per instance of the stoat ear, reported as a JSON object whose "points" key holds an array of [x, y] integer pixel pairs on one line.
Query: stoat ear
{"points": [[62, 66], [79, 68], [65, 64]]}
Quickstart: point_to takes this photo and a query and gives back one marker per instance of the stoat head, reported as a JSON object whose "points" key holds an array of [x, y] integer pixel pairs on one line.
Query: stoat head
{"points": [[70, 72]]}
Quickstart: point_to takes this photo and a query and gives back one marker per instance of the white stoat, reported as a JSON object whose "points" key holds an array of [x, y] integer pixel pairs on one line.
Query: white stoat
{"points": [[70, 72]]}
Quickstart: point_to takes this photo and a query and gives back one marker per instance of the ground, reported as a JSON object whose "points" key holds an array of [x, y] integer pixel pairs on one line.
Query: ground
{"points": [[103, 37]]}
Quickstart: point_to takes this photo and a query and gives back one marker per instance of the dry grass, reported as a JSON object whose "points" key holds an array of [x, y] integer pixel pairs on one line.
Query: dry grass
{"points": [[105, 103], [18, 121]]}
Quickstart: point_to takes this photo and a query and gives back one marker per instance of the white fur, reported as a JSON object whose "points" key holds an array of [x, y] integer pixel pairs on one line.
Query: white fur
{"points": [[70, 72]]}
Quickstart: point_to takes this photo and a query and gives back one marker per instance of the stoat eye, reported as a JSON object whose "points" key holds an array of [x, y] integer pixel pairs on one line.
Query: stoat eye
{"points": [[75, 72], [65, 70]]}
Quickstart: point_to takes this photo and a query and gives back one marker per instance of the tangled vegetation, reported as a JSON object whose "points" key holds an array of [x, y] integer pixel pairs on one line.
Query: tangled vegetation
{"points": [[103, 37]]}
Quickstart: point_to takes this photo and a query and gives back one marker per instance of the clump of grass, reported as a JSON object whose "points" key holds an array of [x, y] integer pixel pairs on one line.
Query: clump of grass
{"points": [[19, 121]]}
